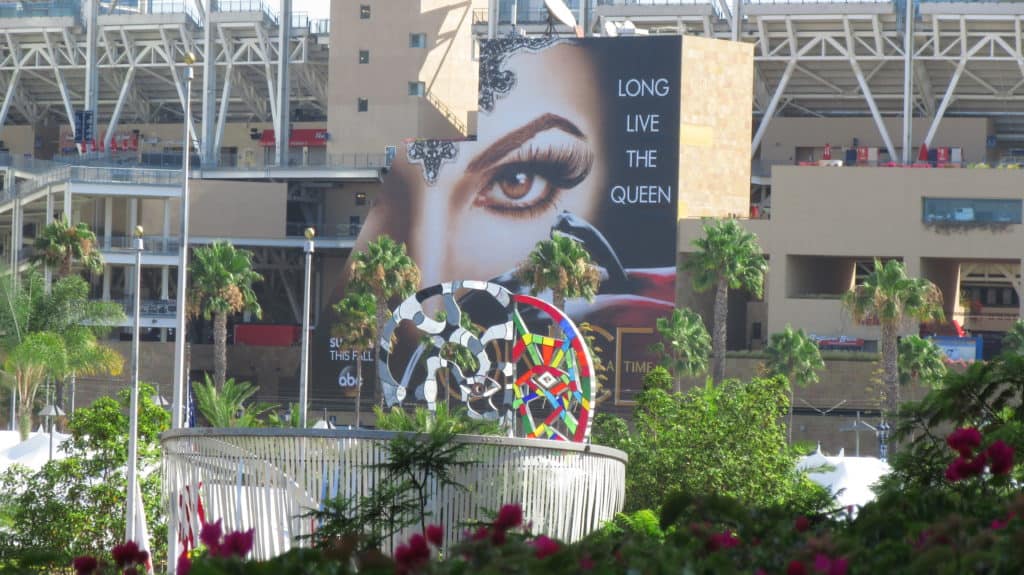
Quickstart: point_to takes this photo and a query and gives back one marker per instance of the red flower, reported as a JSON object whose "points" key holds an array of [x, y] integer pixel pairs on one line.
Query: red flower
{"points": [[544, 546], [509, 516], [964, 440], [85, 564], [481, 533], [723, 540], [125, 553], [142, 557], [998, 524], [962, 468], [236, 544], [802, 524], [831, 566], [586, 563], [418, 547], [403, 554], [435, 534], [184, 564], [498, 537], [796, 568], [130, 571], [210, 534], [1001, 456]]}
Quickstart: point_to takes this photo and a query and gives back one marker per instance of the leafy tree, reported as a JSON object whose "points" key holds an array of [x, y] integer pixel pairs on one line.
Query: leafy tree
{"points": [[385, 270], [889, 296], [222, 279], [356, 328], [792, 354], [421, 420], [76, 506], [725, 439], [920, 359], [226, 405], [563, 266], [26, 307], [727, 256], [39, 355], [60, 245], [685, 344], [1013, 342]]}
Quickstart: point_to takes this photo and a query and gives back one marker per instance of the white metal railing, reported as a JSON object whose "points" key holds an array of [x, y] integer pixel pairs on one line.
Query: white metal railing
{"points": [[267, 479]]}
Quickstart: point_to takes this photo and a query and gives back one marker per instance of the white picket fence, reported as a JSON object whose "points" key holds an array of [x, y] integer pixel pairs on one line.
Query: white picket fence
{"points": [[268, 478]]}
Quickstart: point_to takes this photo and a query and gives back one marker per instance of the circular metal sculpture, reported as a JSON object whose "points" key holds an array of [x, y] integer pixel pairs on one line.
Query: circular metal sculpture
{"points": [[539, 385]]}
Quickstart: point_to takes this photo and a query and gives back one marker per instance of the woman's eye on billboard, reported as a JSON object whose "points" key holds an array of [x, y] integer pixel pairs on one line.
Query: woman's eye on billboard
{"points": [[531, 178]]}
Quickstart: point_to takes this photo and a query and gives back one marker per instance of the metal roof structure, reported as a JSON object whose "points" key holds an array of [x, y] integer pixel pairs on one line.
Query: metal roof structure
{"points": [[848, 58], [126, 60]]}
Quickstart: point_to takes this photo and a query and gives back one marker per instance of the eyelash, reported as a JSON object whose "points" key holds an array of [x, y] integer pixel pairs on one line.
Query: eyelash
{"points": [[562, 167]]}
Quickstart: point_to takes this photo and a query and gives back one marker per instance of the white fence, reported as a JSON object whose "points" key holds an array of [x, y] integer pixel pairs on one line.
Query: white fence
{"points": [[268, 478]]}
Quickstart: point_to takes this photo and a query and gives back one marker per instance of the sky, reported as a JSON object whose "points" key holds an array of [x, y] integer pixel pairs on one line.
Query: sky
{"points": [[316, 9]]}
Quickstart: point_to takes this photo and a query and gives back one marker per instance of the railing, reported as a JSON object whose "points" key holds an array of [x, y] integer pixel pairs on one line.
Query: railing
{"points": [[151, 244], [448, 113], [150, 307], [267, 479], [174, 7], [248, 6], [54, 9], [320, 26], [340, 232]]}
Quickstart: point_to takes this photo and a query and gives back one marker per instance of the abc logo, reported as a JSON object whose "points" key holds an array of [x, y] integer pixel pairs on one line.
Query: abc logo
{"points": [[346, 379]]}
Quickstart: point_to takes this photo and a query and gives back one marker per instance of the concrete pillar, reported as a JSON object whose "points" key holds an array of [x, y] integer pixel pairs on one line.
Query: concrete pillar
{"points": [[108, 220], [106, 282], [166, 232]]}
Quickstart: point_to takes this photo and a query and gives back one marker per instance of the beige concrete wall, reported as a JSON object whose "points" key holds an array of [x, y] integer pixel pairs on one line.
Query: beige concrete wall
{"points": [[864, 213], [340, 203], [784, 135], [225, 209], [20, 140], [446, 66], [714, 151]]}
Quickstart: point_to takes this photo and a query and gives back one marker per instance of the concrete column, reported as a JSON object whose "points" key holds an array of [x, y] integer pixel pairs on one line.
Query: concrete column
{"points": [[1020, 291], [108, 220], [492, 19], [166, 232], [106, 282], [165, 274], [133, 216]]}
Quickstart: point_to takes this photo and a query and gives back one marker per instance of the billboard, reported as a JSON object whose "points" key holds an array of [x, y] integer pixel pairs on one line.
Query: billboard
{"points": [[575, 136]]}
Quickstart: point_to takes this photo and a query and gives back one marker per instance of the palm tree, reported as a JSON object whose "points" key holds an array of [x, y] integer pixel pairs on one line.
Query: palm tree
{"points": [[225, 405], [563, 266], [385, 270], [920, 359], [66, 311], [222, 279], [727, 256], [61, 245], [1014, 340], [685, 344], [356, 329], [888, 295], [38, 356], [793, 354]]}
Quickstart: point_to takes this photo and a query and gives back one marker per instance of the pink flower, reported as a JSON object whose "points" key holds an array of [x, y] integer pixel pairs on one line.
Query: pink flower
{"points": [[840, 565], [796, 568], [210, 534], [85, 564], [236, 544], [998, 524], [125, 553], [962, 468], [586, 563], [964, 440], [184, 564], [723, 540], [802, 524], [435, 535], [831, 566], [1001, 456], [418, 547], [481, 533], [498, 537], [142, 557], [544, 546], [509, 516]]}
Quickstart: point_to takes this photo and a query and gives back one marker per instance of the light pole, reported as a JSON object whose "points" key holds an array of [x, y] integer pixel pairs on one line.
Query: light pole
{"points": [[304, 360], [180, 375], [133, 413]]}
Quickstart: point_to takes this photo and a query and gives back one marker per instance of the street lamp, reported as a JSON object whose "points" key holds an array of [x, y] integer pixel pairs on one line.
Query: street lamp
{"points": [[180, 376], [49, 411], [304, 360], [133, 413]]}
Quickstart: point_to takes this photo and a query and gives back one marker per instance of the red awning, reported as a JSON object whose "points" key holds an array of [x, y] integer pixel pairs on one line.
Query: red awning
{"points": [[301, 137]]}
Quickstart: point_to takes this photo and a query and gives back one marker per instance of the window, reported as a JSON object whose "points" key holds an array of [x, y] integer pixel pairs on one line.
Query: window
{"points": [[755, 330], [362, 104], [364, 12], [417, 40], [963, 211], [417, 88], [360, 198], [364, 56]]}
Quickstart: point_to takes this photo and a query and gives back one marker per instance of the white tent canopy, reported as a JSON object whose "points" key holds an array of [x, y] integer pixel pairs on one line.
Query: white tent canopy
{"points": [[33, 453], [850, 477]]}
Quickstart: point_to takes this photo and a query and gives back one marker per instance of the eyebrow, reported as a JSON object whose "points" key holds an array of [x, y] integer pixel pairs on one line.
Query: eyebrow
{"points": [[520, 136]]}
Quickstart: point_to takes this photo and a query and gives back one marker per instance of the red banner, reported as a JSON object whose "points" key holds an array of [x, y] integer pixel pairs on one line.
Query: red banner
{"points": [[301, 137]]}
